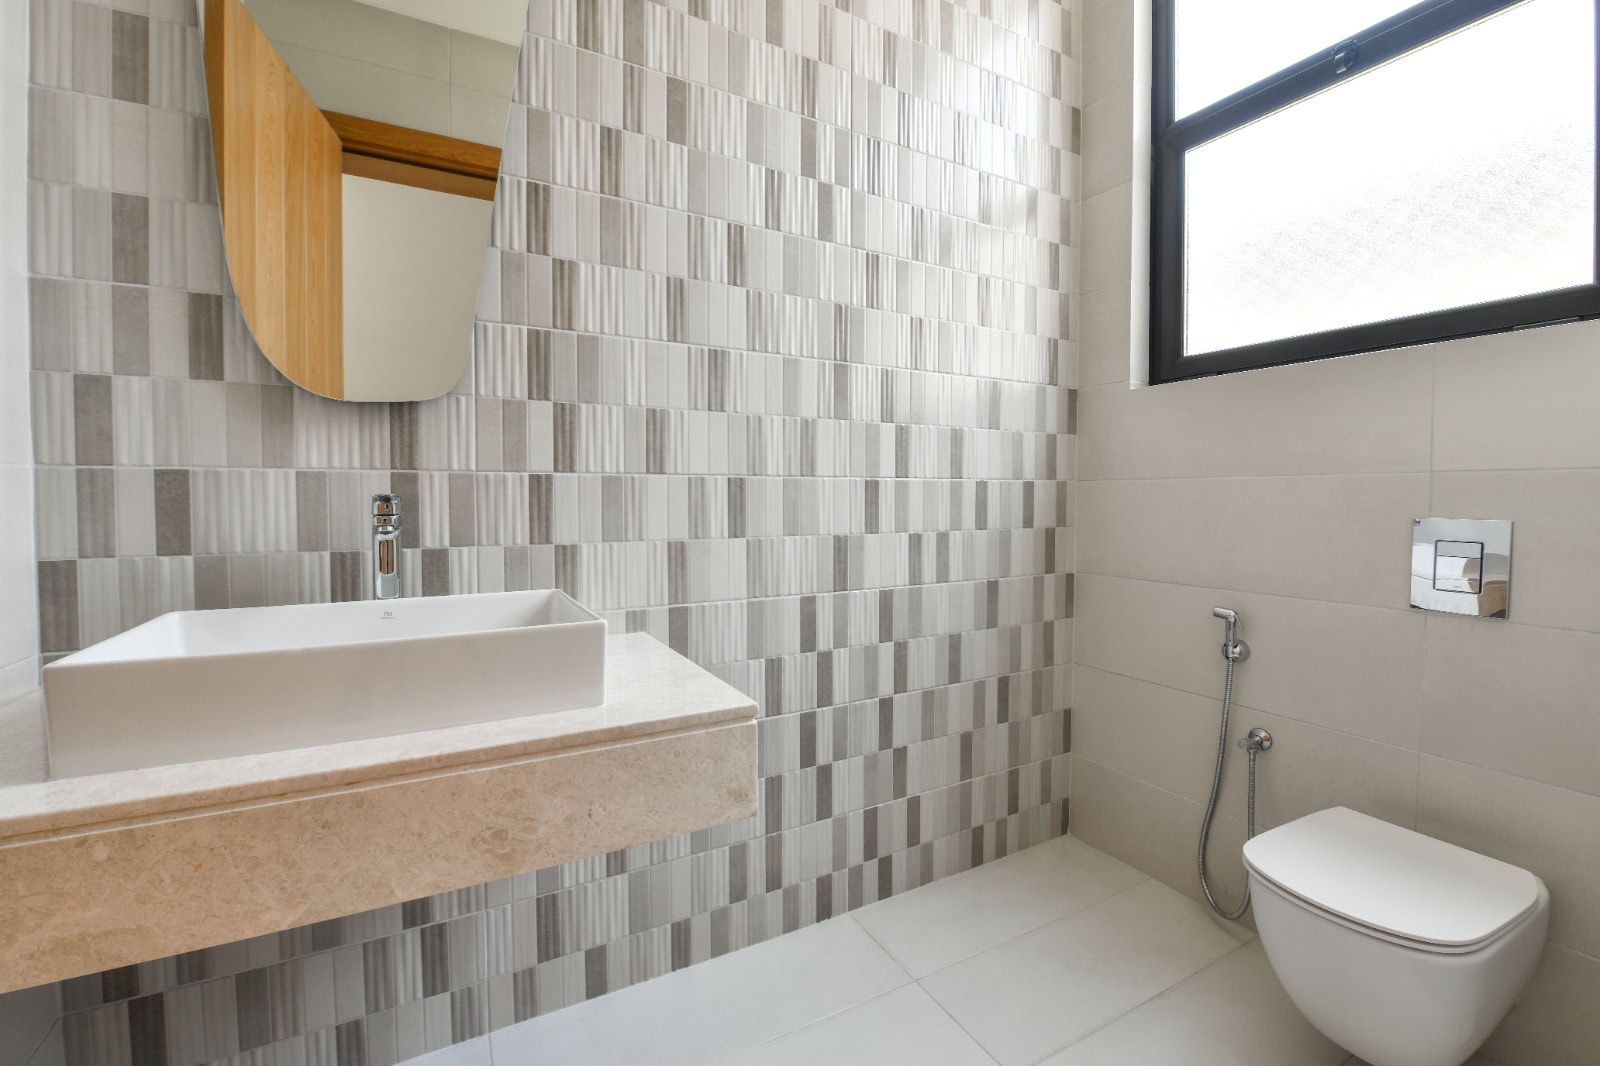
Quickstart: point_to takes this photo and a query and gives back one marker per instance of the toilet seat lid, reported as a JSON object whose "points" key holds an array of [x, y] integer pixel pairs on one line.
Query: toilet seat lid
{"points": [[1390, 879]]}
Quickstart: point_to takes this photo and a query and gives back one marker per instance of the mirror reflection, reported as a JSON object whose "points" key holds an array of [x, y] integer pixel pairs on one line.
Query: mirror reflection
{"points": [[357, 149]]}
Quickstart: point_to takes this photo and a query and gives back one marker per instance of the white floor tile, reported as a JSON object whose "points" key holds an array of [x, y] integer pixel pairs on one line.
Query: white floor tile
{"points": [[470, 1053], [712, 1009], [1232, 1013], [957, 917], [1039, 993], [1141, 977], [901, 1028]]}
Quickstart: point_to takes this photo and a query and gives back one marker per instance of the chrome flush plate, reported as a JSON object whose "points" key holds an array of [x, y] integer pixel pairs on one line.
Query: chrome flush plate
{"points": [[1461, 566]]}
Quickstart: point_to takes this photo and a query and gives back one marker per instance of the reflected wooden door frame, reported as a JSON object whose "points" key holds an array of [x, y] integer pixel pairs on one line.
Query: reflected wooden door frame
{"points": [[413, 157]]}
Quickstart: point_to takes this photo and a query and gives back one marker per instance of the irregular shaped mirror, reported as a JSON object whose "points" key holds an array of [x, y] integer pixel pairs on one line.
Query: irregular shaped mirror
{"points": [[357, 149]]}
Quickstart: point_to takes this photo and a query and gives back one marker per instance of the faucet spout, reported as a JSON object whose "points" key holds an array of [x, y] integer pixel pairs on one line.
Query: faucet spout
{"points": [[385, 546]]}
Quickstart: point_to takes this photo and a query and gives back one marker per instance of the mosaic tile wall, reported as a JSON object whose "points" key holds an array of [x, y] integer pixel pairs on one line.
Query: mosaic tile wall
{"points": [[774, 362]]}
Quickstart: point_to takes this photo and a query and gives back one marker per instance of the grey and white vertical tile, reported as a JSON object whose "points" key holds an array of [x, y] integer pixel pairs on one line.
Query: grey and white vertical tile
{"points": [[775, 361]]}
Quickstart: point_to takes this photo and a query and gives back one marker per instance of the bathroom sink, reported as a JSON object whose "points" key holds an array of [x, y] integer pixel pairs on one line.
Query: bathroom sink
{"points": [[206, 684]]}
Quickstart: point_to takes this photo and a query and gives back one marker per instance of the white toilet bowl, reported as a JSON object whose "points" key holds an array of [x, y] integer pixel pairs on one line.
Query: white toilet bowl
{"points": [[1400, 948]]}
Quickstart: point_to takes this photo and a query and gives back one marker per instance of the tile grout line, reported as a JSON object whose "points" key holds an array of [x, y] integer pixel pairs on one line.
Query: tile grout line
{"points": [[852, 915], [917, 981], [1420, 756], [1243, 706], [970, 1034], [1408, 611], [1427, 620], [1143, 877], [734, 1056], [1179, 983]]}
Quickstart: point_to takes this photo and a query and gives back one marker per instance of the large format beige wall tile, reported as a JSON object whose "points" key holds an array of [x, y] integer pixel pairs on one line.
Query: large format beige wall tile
{"points": [[477, 116], [481, 64], [1115, 248], [1555, 569], [1112, 124], [1346, 539], [1169, 738], [1161, 735], [1116, 45], [371, 91], [1350, 668], [1146, 629], [1519, 401], [1310, 769], [1153, 830], [1114, 339], [1364, 414], [1555, 1022], [1518, 699], [358, 31], [1549, 830]]}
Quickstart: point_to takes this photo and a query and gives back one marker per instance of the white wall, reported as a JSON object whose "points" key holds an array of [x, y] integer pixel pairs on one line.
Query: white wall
{"points": [[382, 64], [19, 611], [413, 259], [1287, 494], [19, 638], [28, 1019]]}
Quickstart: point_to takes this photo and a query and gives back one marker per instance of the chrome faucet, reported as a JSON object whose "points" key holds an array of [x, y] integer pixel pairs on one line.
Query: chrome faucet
{"points": [[385, 546]]}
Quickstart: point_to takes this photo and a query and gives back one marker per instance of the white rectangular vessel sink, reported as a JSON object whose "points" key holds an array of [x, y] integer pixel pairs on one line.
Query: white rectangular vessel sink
{"points": [[206, 684]]}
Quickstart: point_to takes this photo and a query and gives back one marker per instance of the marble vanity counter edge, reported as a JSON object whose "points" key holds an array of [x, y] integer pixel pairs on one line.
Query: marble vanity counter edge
{"points": [[650, 691]]}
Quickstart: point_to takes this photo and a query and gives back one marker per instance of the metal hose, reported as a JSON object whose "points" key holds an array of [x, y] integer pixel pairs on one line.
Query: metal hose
{"points": [[1211, 804]]}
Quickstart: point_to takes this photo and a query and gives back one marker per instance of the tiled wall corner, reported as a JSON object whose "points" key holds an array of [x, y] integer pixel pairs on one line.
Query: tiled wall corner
{"points": [[29, 1019], [1114, 286], [774, 361], [19, 616], [1287, 494]]}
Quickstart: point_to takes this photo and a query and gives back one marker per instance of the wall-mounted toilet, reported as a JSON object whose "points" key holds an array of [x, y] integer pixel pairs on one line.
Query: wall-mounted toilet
{"points": [[1400, 948]]}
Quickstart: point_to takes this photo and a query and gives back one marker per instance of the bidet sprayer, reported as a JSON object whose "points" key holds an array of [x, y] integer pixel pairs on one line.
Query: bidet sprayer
{"points": [[1234, 650]]}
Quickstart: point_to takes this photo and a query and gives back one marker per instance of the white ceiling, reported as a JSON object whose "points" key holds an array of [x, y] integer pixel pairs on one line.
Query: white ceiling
{"points": [[498, 20]]}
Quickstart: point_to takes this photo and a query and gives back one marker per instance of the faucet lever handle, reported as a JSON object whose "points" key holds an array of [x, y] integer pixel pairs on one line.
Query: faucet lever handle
{"points": [[386, 508]]}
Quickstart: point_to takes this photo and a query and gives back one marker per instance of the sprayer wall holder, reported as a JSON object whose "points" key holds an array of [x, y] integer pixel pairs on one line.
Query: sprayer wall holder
{"points": [[1257, 739]]}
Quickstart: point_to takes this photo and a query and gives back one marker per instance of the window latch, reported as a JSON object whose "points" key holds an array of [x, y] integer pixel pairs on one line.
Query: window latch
{"points": [[1346, 56]]}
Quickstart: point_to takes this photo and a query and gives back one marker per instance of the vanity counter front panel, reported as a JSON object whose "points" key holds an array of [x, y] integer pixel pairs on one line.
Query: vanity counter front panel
{"points": [[112, 869]]}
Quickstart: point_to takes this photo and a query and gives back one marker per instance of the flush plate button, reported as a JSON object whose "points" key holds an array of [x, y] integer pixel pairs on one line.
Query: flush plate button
{"points": [[1461, 566], [1458, 566]]}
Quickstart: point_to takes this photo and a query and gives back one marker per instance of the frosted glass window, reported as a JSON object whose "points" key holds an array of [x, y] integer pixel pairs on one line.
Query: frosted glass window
{"points": [[1224, 45], [1460, 173]]}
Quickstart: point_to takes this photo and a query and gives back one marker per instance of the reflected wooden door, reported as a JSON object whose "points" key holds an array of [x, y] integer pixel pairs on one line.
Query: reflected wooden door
{"points": [[278, 176]]}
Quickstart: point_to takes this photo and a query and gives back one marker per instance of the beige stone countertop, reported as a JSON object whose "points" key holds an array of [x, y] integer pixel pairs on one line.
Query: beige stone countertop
{"points": [[650, 691]]}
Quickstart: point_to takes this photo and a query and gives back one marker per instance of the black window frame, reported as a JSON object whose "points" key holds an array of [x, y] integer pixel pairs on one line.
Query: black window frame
{"points": [[1172, 137]]}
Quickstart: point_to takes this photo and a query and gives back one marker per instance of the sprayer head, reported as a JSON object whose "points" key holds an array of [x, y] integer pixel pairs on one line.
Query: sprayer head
{"points": [[1233, 649]]}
